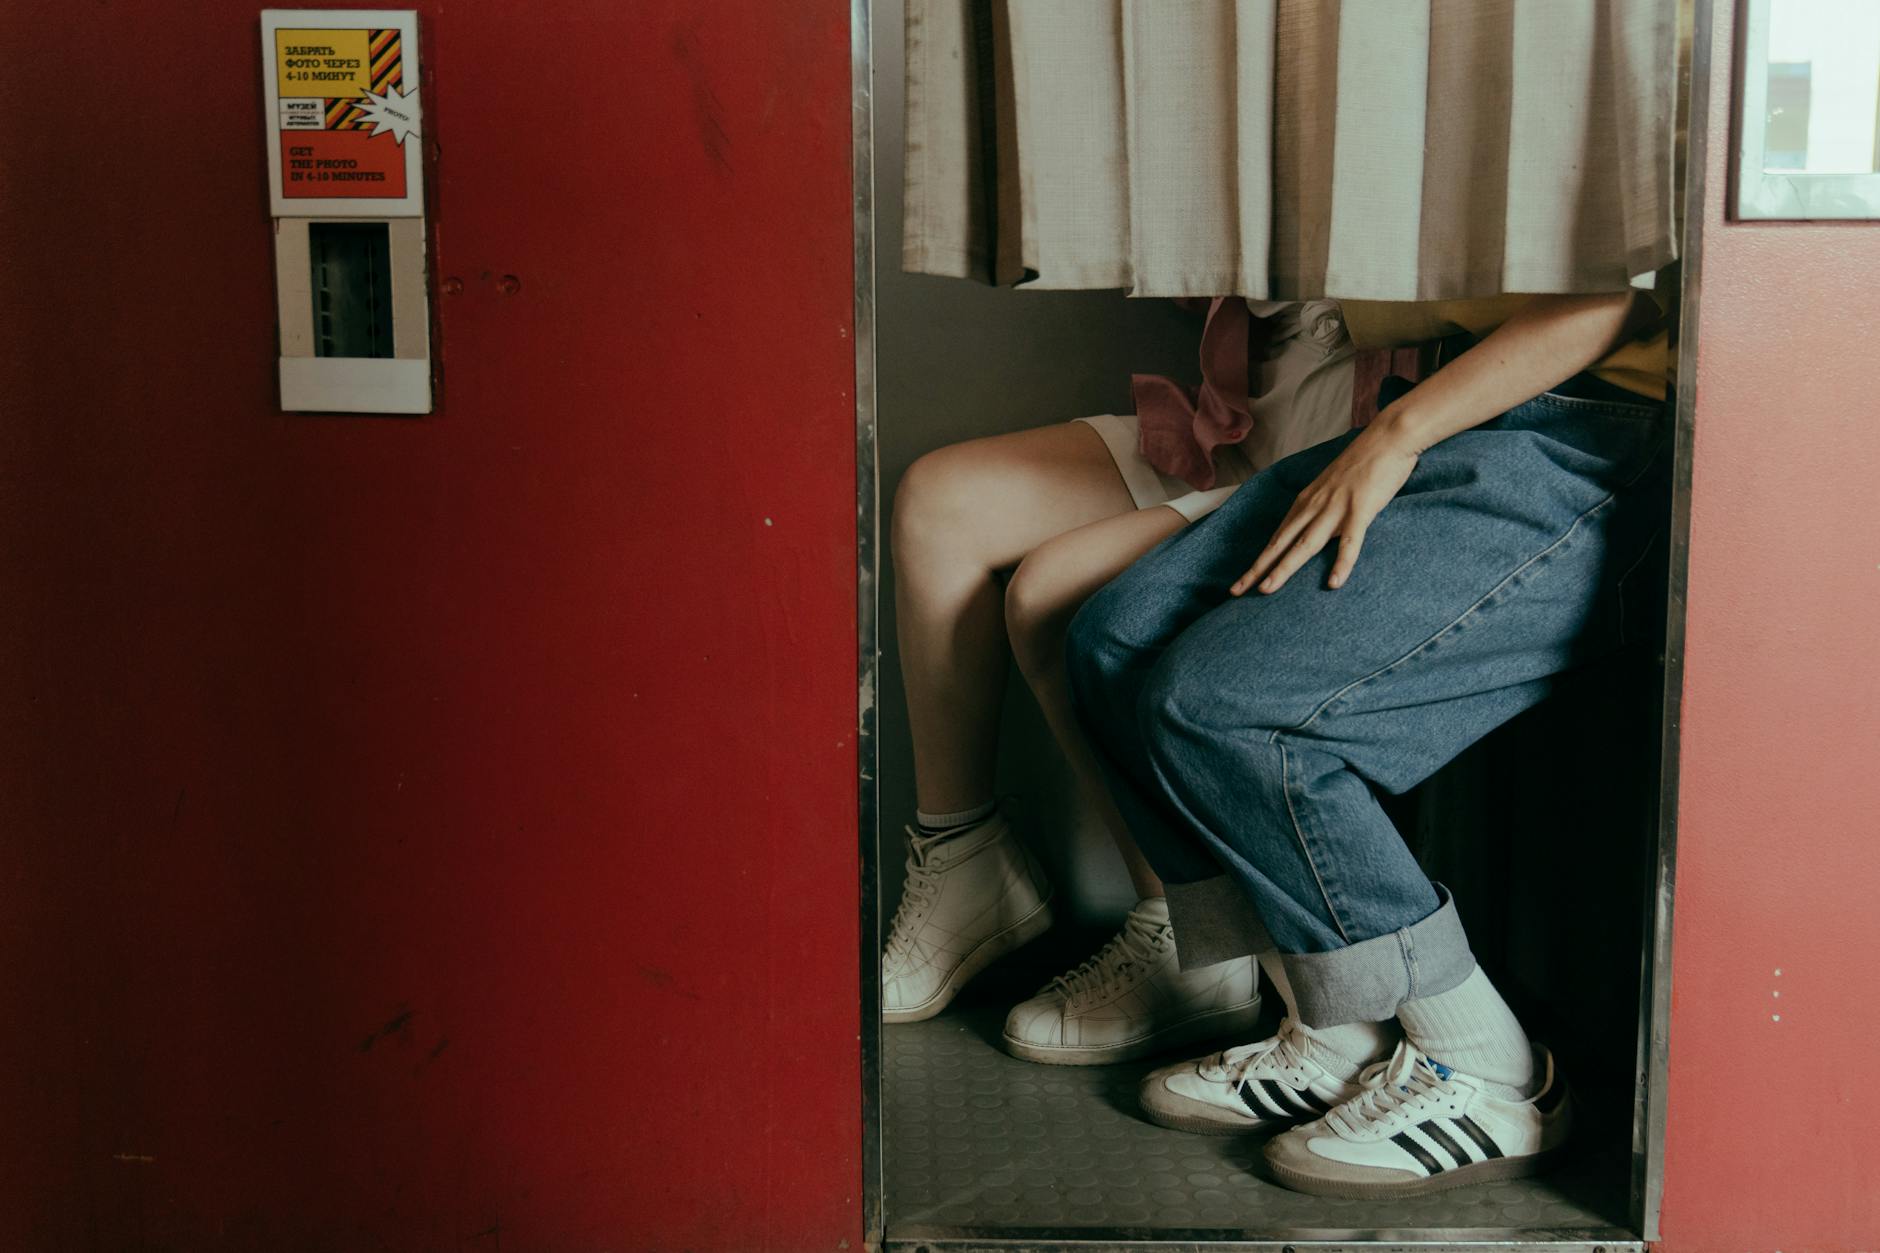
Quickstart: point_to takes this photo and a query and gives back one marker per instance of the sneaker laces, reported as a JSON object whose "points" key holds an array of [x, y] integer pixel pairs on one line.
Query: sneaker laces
{"points": [[1287, 1050], [918, 893], [1137, 946], [1398, 1082]]}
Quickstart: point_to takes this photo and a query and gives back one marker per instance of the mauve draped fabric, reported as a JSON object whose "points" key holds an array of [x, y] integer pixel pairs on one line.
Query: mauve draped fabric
{"points": [[1291, 149], [1182, 426], [1245, 370]]}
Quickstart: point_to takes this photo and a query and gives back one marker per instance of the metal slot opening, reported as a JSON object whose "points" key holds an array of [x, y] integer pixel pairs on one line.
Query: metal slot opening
{"points": [[352, 288]]}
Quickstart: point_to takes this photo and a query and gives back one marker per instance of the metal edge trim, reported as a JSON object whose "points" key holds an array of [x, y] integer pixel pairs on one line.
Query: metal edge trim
{"points": [[923, 1239], [868, 652], [1750, 42], [1809, 198], [1655, 983]]}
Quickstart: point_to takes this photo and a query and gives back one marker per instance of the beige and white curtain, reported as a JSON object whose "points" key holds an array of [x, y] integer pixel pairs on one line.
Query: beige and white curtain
{"points": [[1291, 149]]}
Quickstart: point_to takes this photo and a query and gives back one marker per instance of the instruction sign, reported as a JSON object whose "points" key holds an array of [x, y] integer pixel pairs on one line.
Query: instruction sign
{"points": [[344, 115]]}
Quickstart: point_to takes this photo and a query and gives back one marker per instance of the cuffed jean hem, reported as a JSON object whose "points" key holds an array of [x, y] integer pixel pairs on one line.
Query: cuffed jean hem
{"points": [[1367, 981], [1214, 922]]}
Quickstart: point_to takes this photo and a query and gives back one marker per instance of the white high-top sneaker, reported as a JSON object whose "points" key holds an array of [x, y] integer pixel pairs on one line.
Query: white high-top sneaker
{"points": [[970, 898], [1420, 1126], [1131, 1000]]}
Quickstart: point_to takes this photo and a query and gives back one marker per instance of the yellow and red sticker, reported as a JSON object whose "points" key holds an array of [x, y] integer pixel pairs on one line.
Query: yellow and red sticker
{"points": [[345, 109]]}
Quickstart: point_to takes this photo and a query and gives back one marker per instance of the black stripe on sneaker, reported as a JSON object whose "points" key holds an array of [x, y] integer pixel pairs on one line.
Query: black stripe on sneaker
{"points": [[1277, 1106], [1475, 1133], [1441, 1140], [1424, 1158], [1247, 1092], [1279, 1094], [1264, 1108], [1318, 1103]]}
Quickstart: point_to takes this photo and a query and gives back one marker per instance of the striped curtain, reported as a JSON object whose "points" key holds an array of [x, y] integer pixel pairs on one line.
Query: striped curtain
{"points": [[1291, 149]]}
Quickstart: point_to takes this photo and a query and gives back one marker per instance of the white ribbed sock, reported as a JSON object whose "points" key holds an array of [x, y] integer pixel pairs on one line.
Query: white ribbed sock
{"points": [[934, 824], [1472, 1029], [1345, 1049]]}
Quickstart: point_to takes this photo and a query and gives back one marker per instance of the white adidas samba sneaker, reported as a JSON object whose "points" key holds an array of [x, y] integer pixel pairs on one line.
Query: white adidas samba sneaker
{"points": [[1276, 1083], [1420, 1126]]}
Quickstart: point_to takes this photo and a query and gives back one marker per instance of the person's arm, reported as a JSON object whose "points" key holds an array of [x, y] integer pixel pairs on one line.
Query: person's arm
{"points": [[1547, 341]]}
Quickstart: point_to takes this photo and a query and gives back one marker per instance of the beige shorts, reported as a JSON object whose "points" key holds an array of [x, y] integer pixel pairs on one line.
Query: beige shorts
{"points": [[1149, 487], [1304, 397]]}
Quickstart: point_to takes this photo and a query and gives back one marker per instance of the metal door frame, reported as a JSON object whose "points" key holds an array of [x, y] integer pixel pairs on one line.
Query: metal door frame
{"points": [[1648, 1124]]}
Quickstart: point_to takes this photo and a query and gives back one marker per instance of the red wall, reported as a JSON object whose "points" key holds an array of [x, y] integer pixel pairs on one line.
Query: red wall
{"points": [[438, 833], [1771, 1142], [435, 833]]}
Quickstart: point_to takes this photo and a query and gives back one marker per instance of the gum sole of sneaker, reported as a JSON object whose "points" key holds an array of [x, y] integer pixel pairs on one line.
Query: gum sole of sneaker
{"points": [[1457, 1177], [1233, 1019], [990, 949]]}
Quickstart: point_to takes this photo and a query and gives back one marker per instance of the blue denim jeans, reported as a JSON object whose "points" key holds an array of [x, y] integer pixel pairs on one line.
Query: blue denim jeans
{"points": [[1243, 738]]}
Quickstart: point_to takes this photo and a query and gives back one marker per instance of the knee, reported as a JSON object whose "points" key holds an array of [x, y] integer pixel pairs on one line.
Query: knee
{"points": [[1188, 748], [1170, 707], [1042, 595], [1195, 706], [933, 505]]}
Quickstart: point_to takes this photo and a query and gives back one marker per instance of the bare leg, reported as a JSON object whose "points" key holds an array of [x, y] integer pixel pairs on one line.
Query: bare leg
{"points": [[1130, 998], [1049, 585], [961, 514]]}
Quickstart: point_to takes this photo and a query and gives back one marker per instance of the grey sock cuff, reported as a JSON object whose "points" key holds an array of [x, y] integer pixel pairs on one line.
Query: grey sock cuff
{"points": [[1214, 922], [1367, 981]]}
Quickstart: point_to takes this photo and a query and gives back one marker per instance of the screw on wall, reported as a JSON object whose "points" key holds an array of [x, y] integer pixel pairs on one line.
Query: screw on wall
{"points": [[453, 286], [509, 284]]}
